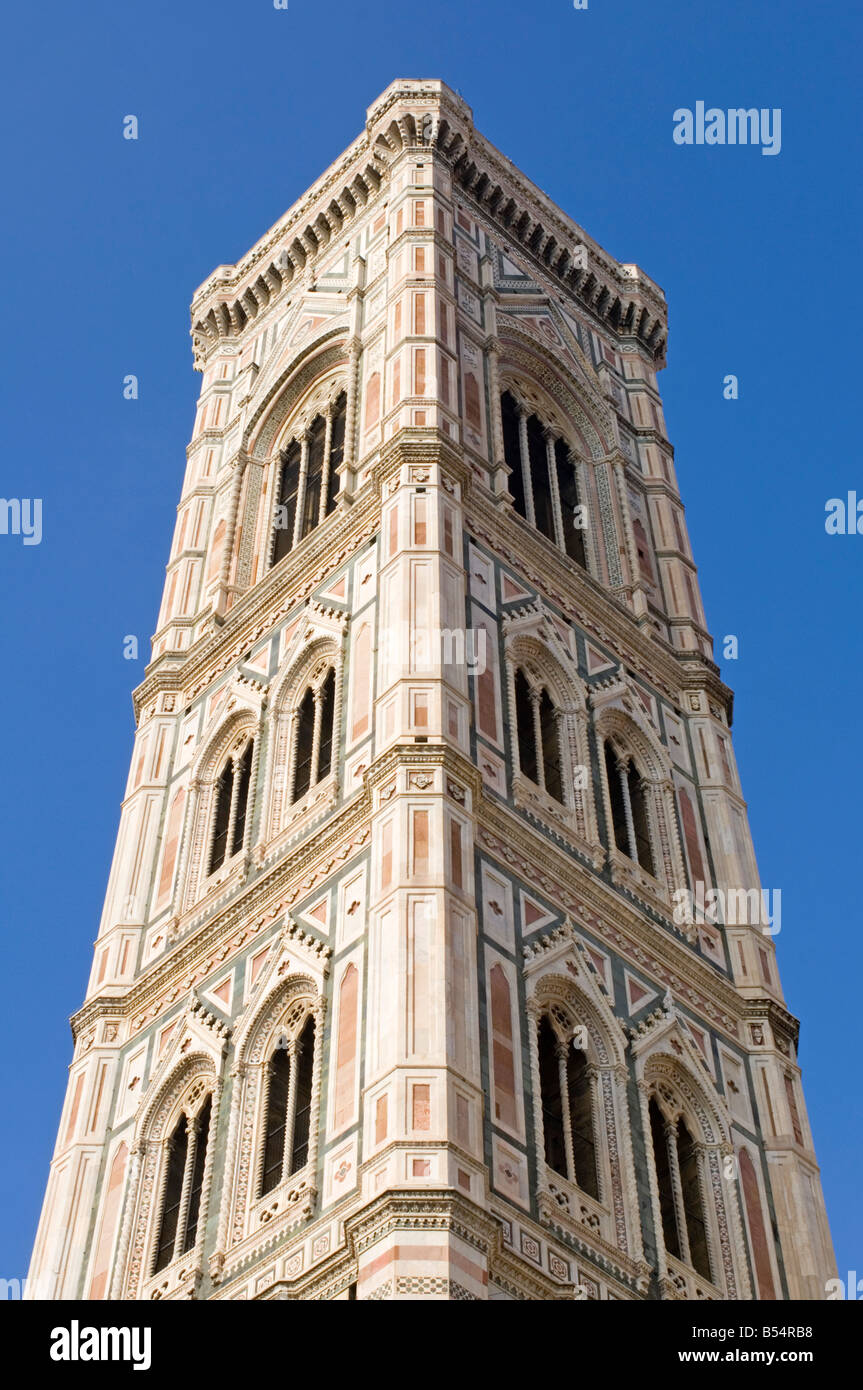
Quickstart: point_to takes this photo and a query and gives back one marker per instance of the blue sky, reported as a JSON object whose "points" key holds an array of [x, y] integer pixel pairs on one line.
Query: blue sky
{"points": [[240, 108]]}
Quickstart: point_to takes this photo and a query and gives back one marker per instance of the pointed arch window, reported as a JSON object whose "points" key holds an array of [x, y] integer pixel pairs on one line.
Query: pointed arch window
{"points": [[525, 727], [537, 721], [543, 478], [305, 739], [630, 822], [184, 1183], [571, 513], [308, 483], [313, 735], [681, 1200], [243, 773], [289, 1105], [540, 481], [325, 739], [222, 817], [567, 1110], [231, 807], [549, 739]]}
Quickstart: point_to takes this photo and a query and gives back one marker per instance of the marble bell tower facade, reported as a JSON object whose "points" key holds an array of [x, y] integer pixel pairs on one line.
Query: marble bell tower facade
{"points": [[406, 984]]}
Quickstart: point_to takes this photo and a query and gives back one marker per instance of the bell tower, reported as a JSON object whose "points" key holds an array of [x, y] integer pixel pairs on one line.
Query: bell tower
{"points": [[434, 961]]}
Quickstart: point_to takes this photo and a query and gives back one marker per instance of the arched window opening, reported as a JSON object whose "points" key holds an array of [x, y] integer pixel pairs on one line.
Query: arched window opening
{"points": [[304, 744], [543, 479], [202, 1129], [222, 818], [525, 727], [184, 1184], [537, 721], [231, 807], [567, 1110], [244, 777], [286, 502], [663, 1180], [630, 822], [313, 735], [314, 476], [289, 1105], [571, 513], [638, 802], [277, 1114], [552, 1107], [303, 1098], [177, 1150], [332, 480], [328, 708], [693, 1206], [308, 481], [539, 480], [618, 802], [512, 450], [550, 739], [681, 1201], [581, 1113]]}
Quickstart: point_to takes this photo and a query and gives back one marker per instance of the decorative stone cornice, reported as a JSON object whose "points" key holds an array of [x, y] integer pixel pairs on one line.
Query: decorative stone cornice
{"points": [[225, 929], [258, 611], [585, 601], [602, 912], [422, 755], [783, 1023], [425, 450], [618, 297], [421, 1210]]}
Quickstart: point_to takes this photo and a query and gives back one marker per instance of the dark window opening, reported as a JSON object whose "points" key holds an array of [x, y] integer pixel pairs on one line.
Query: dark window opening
{"points": [[277, 1114], [304, 745], [693, 1209], [618, 805], [202, 1130], [573, 535], [245, 777], [538, 457], [315, 494], [525, 728], [222, 817], [512, 451], [328, 705], [552, 1108], [638, 802], [286, 506], [337, 451], [314, 476], [177, 1150], [663, 1180], [303, 1098], [581, 1114], [550, 747]]}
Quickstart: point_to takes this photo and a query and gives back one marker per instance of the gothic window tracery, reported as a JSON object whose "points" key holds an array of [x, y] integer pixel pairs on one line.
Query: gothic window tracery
{"points": [[543, 477], [289, 1098], [628, 797], [677, 1165], [567, 1109], [185, 1157], [313, 735], [537, 720], [274, 1125], [308, 480], [231, 807]]}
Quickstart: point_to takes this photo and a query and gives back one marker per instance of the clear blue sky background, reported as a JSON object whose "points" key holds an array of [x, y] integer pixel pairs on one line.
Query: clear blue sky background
{"points": [[240, 108]]}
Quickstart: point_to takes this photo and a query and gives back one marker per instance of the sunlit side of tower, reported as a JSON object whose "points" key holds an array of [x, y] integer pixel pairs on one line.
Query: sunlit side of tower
{"points": [[393, 996]]}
